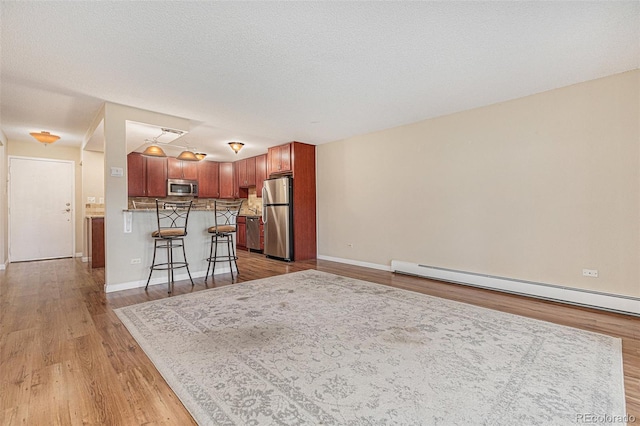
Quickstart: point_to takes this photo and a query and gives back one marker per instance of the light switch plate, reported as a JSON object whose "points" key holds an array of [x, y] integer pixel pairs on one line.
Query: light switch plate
{"points": [[91, 200], [117, 171]]}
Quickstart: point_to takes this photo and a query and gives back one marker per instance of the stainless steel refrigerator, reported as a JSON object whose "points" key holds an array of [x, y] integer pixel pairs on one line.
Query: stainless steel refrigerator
{"points": [[277, 215]]}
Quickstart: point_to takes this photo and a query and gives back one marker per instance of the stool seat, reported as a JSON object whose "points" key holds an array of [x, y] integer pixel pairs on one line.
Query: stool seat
{"points": [[225, 214], [222, 228], [172, 218], [170, 232]]}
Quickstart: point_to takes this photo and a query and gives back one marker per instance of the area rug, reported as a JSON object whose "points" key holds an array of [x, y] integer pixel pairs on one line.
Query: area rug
{"points": [[315, 348]]}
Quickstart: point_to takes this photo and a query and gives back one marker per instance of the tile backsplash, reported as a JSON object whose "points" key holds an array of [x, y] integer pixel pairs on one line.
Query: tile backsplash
{"points": [[251, 206], [94, 209]]}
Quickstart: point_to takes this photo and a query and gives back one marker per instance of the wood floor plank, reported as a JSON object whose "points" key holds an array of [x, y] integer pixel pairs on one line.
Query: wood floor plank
{"points": [[60, 339], [49, 402]]}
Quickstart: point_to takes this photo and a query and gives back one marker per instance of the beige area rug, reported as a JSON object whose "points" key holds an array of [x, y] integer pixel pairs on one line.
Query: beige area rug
{"points": [[315, 348]]}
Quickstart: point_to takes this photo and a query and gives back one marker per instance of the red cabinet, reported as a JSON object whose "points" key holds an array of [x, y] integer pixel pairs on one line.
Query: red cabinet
{"points": [[208, 179], [261, 172], [146, 176], [178, 169], [279, 159], [227, 180], [241, 232], [246, 172]]}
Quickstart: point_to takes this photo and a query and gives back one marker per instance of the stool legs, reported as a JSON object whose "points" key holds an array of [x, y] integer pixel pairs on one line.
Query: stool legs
{"points": [[213, 254], [170, 265]]}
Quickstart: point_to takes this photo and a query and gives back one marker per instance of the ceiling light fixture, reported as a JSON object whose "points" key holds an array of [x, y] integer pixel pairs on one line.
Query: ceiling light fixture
{"points": [[45, 137], [236, 146], [187, 155], [154, 151]]}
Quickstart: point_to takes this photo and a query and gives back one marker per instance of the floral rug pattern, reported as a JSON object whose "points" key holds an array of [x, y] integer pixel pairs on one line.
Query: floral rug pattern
{"points": [[316, 348]]}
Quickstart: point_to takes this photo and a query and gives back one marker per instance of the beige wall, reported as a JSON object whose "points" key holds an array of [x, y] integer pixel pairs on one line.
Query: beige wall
{"points": [[92, 175], [121, 247], [92, 186], [4, 224], [534, 189], [38, 150]]}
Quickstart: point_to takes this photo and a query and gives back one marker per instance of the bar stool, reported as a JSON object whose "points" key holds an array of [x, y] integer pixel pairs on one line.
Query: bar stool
{"points": [[225, 216], [172, 220]]}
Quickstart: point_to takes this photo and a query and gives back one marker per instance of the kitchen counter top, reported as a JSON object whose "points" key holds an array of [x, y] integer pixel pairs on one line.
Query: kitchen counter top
{"points": [[193, 209]]}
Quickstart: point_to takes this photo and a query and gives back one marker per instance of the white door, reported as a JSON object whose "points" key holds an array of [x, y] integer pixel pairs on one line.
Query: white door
{"points": [[41, 210]]}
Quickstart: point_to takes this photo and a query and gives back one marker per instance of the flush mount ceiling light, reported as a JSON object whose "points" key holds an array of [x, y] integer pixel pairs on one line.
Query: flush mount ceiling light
{"points": [[45, 137], [236, 146]]}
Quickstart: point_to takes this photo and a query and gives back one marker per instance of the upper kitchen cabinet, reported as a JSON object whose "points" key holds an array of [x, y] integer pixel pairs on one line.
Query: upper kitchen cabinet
{"points": [[178, 169], [227, 180], [208, 179], [279, 159], [246, 172], [146, 176], [261, 172]]}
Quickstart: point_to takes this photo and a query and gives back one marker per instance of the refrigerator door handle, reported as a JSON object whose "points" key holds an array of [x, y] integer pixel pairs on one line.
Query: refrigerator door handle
{"points": [[264, 211]]}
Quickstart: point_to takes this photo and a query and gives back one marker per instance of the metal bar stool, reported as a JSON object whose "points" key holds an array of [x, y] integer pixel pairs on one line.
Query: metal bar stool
{"points": [[225, 216], [172, 228]]}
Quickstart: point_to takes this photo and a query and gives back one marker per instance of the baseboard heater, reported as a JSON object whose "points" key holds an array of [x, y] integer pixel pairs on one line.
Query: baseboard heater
{"points": [[574, 296]]}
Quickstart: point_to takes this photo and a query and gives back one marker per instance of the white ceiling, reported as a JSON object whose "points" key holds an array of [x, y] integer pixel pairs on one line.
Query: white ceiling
{"points": [[266, 73]]}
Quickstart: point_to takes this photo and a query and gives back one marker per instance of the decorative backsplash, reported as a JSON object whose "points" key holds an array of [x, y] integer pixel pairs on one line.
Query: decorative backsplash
{"points": [[94, 209], [251, 206]]}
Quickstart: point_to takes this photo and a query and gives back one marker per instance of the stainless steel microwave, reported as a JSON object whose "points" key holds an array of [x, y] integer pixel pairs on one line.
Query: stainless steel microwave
{"points": [[182, 187]]}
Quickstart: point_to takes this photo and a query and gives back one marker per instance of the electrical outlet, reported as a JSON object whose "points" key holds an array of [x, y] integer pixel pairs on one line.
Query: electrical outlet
{"points": [[91, 200], [590, 273], [135, 261]]}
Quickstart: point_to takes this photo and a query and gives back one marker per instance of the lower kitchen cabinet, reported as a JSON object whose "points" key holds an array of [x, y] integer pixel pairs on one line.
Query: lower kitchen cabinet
{"points": [[241, 233], [95, 241]]}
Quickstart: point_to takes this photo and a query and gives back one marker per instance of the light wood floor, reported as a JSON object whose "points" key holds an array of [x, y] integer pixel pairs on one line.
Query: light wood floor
{"points": [[65, 358]]}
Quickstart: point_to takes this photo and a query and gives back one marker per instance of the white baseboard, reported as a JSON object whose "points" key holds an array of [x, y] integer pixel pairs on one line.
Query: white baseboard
{"points": [[85, 259], [355, 262], [3, 266], [78, 254], [160, 277], [575, 296]]}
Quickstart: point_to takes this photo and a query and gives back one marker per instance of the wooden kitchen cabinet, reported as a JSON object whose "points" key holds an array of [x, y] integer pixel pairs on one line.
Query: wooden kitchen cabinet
{"points": [[261, 173], [227, 180], [95, 243], [241, 233], [208, 179], [251, 172], [178, 169], [146, 176], [246, 172], [136, 175], [241, 173], [279, 159]]}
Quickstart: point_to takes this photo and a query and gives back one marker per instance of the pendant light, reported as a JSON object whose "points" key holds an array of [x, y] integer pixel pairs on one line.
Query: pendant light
{"points": [[45, 137], [154, 150], [236, 146], [187, 155], [200, 155]]}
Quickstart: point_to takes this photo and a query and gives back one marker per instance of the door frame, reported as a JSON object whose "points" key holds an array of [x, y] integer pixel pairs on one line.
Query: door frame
{"points": [[73, 199]]}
